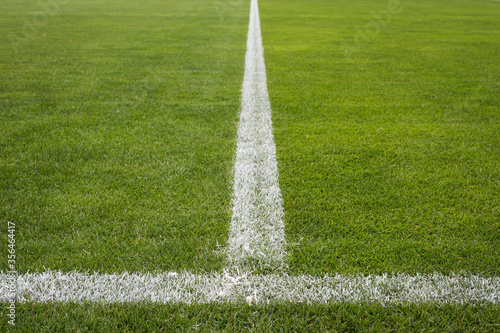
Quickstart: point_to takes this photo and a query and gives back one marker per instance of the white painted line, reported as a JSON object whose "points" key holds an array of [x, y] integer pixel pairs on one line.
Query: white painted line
{"points": [[257, 238], [257, 235], [189, 288]]}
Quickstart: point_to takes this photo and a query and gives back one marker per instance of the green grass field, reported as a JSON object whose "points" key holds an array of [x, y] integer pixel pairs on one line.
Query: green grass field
{"points": [[389, 155], [118, 131], [118, 124], [245, 318]]}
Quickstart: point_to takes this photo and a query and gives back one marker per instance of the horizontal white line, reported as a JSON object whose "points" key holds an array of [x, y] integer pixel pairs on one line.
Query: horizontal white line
{"points": [[52, 286]]}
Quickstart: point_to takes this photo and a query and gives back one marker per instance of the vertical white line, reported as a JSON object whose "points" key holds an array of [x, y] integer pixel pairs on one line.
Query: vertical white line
{"points": [[257, 235]]}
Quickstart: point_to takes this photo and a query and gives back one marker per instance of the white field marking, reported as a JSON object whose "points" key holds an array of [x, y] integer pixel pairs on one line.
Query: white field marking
{"points": [[257, 235], [257, 231], [261, 289]]}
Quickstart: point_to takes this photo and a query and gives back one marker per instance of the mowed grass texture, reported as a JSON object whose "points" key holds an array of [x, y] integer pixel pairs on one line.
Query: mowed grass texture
{"points": [[118, 130], [70, 177], [246, 318], [388, 144]]}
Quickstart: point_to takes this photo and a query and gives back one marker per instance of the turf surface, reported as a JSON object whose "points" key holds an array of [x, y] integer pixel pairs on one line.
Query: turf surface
{"points": [[387, 142], [117, 137], [245, 318], [118, 131]]}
